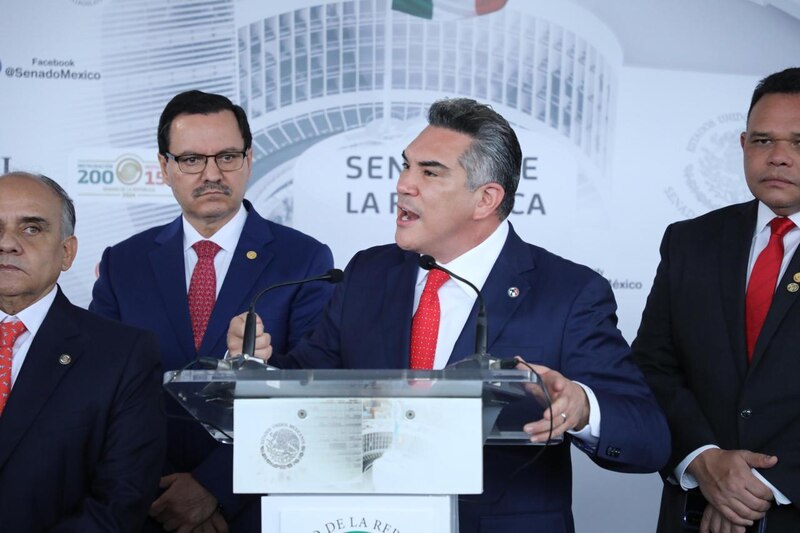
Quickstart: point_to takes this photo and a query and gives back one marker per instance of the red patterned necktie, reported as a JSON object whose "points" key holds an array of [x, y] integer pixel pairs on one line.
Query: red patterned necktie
{"points": [[763, 280], [425, 324], [202, 289], [9, 331]]}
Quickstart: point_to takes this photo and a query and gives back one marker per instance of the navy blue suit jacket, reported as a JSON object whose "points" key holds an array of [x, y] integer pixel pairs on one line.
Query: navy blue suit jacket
{"points": [[81, 444], [564, 318], [691, 347], [142, 282]]}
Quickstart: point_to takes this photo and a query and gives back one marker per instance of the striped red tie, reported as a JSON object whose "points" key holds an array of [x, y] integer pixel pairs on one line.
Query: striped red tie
{"points": [[9, 332], [425, 325], [763, 280]]}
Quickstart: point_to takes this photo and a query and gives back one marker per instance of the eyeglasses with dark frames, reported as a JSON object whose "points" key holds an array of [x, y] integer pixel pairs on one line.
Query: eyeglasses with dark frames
{"points": [[196, 163]]}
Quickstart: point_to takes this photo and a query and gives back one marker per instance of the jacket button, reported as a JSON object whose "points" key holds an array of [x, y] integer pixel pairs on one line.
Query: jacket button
{"points": [[745, 413], [612, 451]]}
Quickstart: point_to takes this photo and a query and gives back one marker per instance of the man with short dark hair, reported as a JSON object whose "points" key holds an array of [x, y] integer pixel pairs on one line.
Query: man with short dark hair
{"points": [[719, 339], [454, 193], [184, 281], [82, 432]]}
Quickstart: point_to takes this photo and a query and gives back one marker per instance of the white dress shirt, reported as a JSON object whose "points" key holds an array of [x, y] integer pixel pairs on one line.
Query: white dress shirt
{"points": [[759, 242], [456, 300], [227, 237], [32, 317]]}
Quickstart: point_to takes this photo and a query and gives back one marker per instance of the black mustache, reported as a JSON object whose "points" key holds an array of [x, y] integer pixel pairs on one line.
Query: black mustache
{"points": [[211, 186]]}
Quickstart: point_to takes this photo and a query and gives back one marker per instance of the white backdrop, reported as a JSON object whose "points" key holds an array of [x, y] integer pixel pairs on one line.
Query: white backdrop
{"points": [[628, 113]]}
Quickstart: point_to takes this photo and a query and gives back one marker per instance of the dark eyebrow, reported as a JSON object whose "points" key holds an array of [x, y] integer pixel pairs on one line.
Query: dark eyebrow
{"points": [[35, 220], [435, 164], [223, 151], [770, 134], [428, 164]]}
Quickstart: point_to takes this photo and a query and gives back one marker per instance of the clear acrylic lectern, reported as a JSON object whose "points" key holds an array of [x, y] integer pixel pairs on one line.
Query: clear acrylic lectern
{"points": [[344, 450]]}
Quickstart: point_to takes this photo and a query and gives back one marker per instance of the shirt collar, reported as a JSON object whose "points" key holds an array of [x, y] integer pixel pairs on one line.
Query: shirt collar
{"points": [[33, 315], [765, 215], [226, 237], [475, 264]]}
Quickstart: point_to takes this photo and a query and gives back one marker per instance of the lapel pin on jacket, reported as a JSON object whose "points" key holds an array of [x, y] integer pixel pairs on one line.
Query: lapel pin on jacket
{"points": [[796, 277], [792, 287], [251, 254], [65, 359], [513, 292]]}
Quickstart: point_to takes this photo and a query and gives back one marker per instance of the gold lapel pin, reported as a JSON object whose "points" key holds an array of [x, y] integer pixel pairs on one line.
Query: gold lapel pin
{"points": [[65, 359], [251, 254], [796, 277], [792, 287]]}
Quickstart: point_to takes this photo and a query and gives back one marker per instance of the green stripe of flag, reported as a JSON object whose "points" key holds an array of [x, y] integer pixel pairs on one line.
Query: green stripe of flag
{"points": [[416, 8]]}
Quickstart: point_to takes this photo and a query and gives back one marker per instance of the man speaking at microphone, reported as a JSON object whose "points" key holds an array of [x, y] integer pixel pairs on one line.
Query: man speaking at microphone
{"points": [[454, 193], [184, 281]]}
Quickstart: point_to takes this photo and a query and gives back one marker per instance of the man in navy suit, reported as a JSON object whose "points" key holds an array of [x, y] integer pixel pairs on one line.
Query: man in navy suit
{"points": [[719, 339], [159, 280], [82, 432], [455, 191]]}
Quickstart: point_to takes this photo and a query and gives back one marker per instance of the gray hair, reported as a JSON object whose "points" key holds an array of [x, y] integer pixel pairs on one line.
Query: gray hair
{"points": [[67, 206], [494, 156]]}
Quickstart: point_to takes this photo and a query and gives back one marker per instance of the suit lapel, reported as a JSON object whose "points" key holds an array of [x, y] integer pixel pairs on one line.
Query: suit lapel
{"points": [[781, 303], [737, 234], [398, 295], [238, 287], [507, 273], [40, 374], [166, 260]]}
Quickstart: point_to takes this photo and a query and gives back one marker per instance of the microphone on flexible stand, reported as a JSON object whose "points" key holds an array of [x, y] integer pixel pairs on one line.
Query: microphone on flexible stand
{"points": [[333, 275], [481, 358], [247, 357], [495, 395]]}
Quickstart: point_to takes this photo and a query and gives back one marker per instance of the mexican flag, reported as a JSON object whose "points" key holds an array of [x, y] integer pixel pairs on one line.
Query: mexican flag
{"points": [[442, 10]]}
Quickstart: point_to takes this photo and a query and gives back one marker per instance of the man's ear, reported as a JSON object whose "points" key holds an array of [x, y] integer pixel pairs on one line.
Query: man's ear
{"points": [[70, 245], [162, 162], [490, 197]]}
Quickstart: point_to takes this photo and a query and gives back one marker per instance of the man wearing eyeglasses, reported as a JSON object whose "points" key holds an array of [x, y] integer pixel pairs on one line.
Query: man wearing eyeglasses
{"points": [[186, 280]]}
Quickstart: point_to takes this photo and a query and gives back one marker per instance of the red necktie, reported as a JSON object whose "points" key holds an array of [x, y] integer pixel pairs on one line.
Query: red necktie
{"points": [[763, 280], [425, 324], [9, 331], [202, 289]]}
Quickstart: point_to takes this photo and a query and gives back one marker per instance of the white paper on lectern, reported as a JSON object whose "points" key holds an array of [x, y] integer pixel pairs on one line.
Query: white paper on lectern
{"points": [[369, 513], [358, 446]]}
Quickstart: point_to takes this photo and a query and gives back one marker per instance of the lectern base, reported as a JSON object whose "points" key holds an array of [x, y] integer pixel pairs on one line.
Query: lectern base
{"points": [[363, 513]]}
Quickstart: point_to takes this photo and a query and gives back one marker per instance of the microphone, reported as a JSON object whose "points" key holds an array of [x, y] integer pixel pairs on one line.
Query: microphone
{"points": [[333, 275], [481, 355], [429, 263]]}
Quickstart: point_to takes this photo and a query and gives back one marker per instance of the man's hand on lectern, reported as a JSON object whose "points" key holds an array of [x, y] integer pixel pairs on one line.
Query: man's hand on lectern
{"points": [[570, 406]]}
